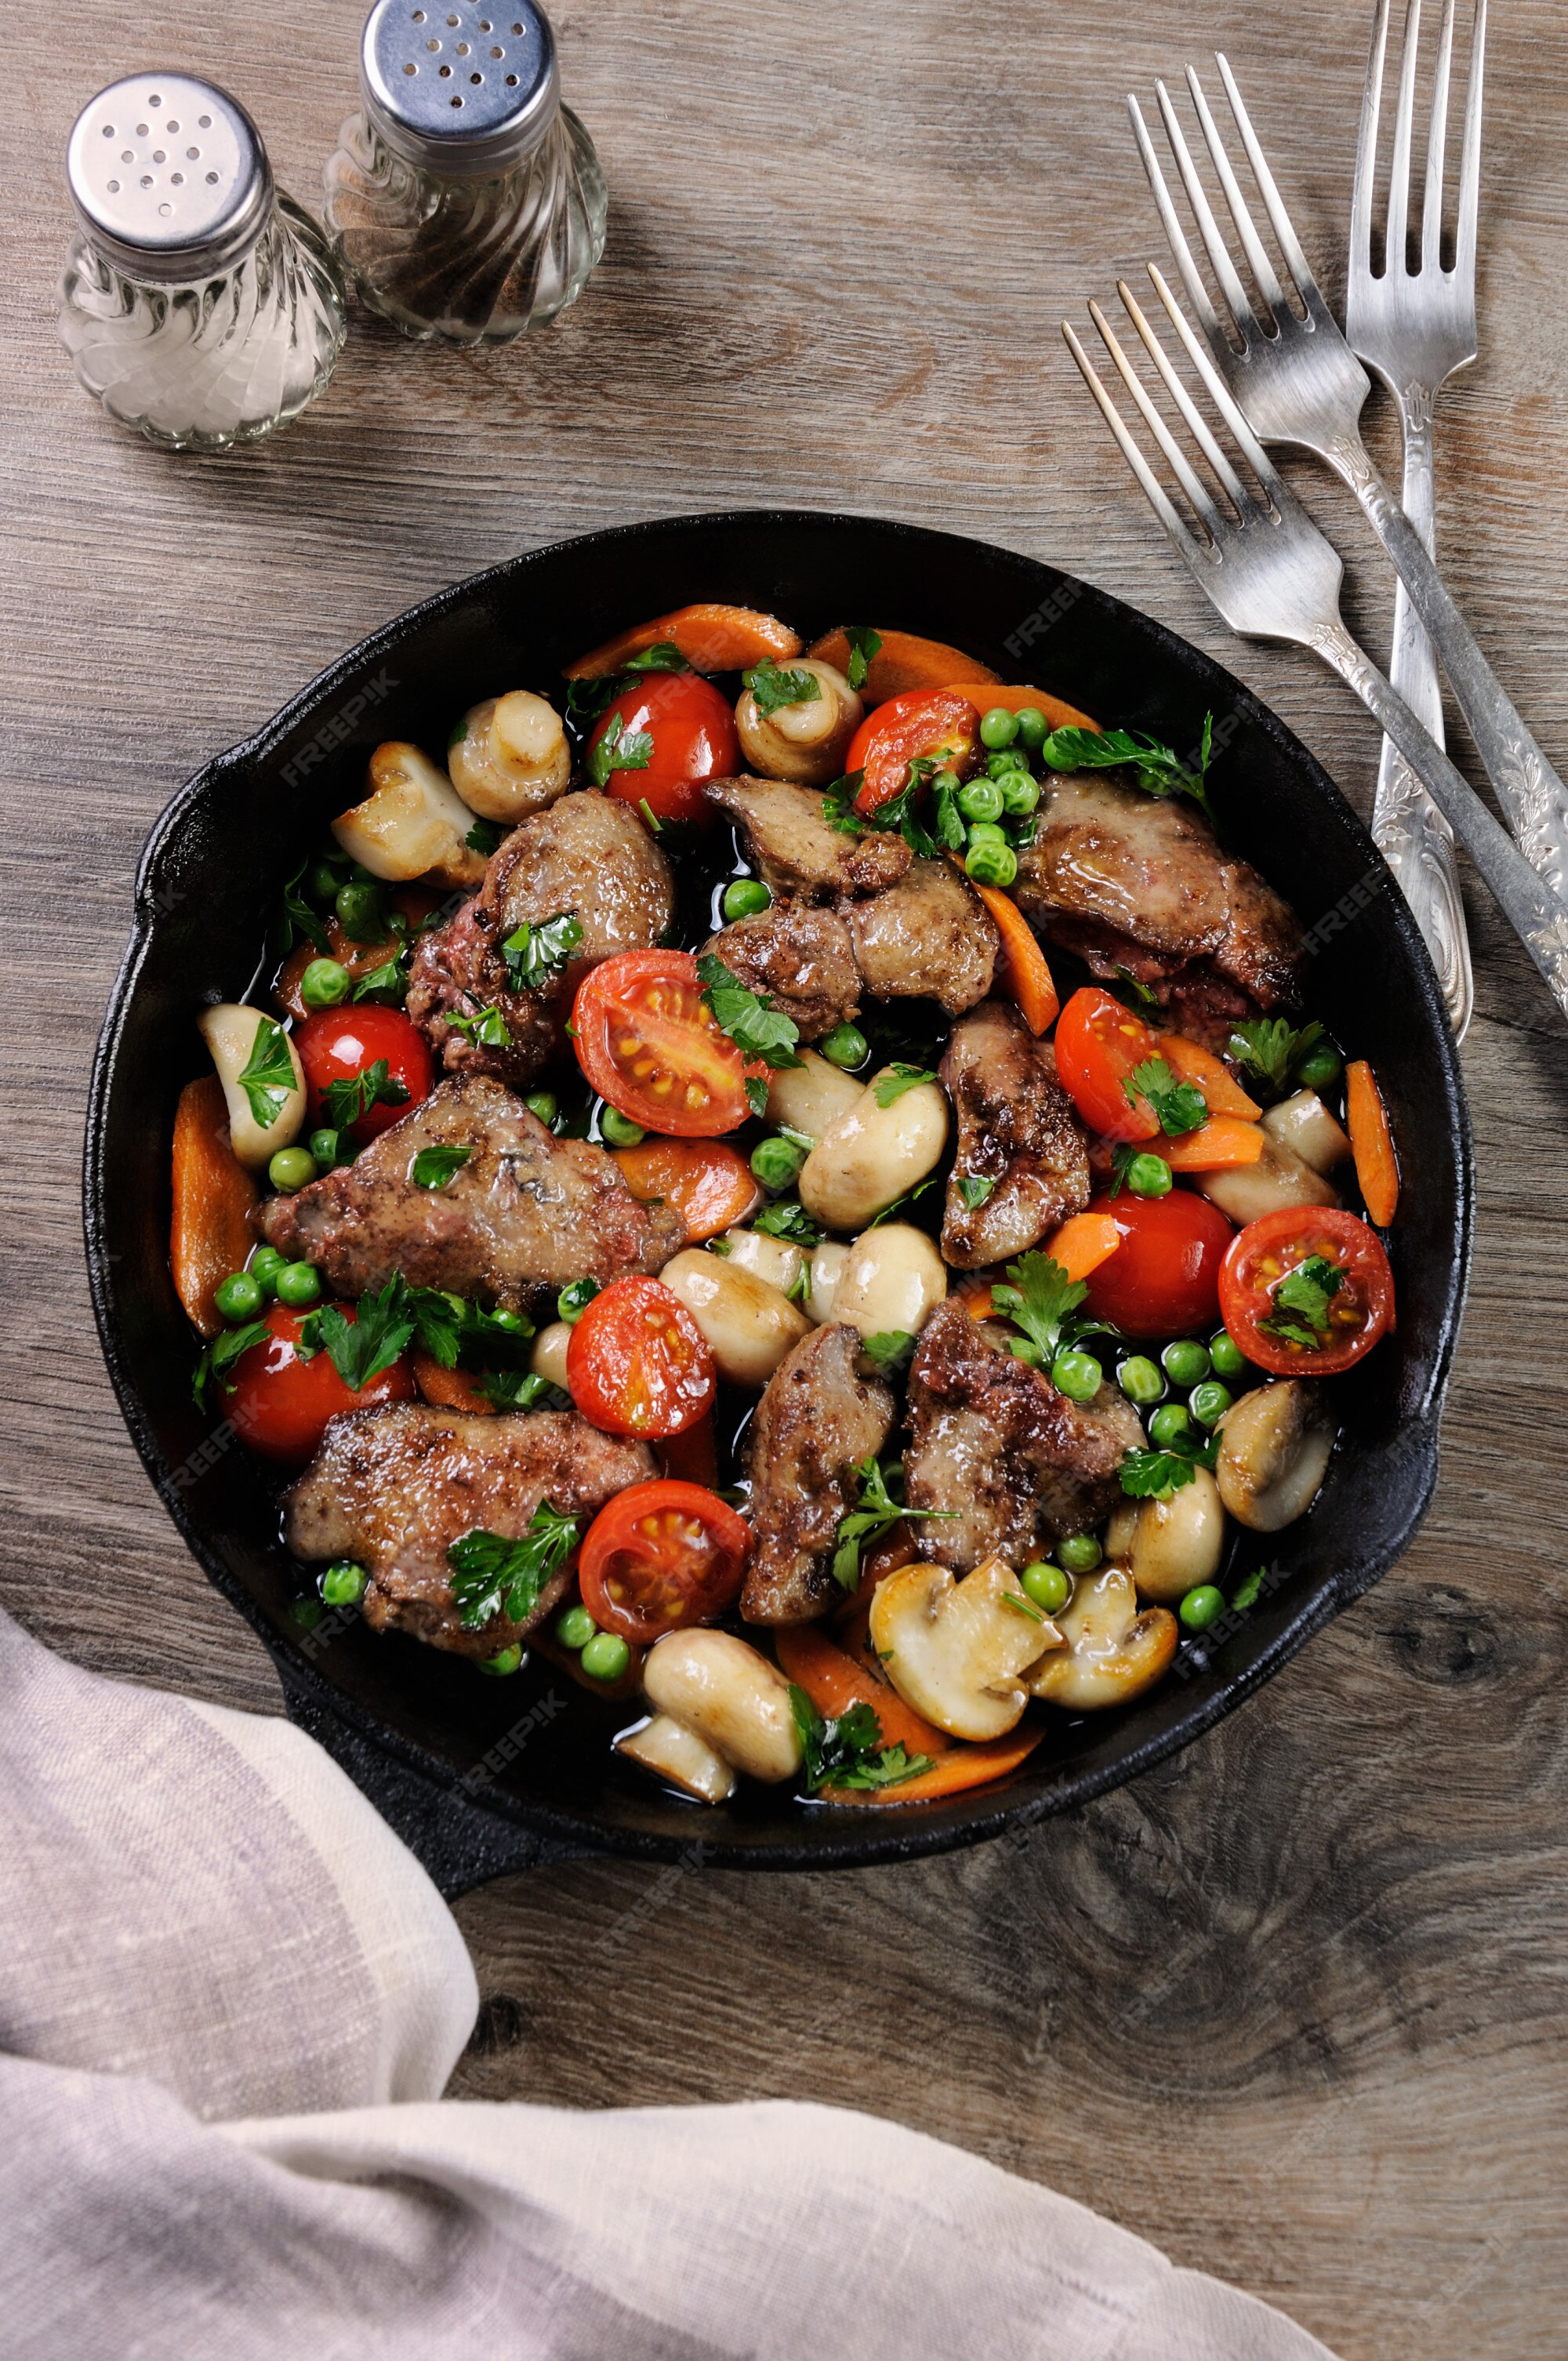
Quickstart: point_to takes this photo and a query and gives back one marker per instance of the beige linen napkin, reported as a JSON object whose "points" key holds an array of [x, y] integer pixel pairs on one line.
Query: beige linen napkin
{"points": [[229, 2001]]}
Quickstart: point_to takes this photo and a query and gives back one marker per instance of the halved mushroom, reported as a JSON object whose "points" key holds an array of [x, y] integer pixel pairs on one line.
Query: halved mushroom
{"points": [[731, 1697], [1280, 1177], [1113, 1653], [1304, 1124], [413, 823], [804, 742], [1178, 1542], [233, 1033], [955, 1651], [671, 1751], [513, 758], [1274, 1446]]}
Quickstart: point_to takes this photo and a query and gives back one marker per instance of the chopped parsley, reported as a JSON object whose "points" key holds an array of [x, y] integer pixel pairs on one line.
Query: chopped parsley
{"points": [[434, 1167], [758, 1029], [1130, 992], [1301, 1300], [1180, 1107], [389, 982], [267, 1077], [1250, 1591], [620, 750], [536, 955], [848, 1752], [485, 836], [299, 920], [343, 1103], [487, 1028], [1044, 1302], [945, 818], [838, 805], [1155, 1475], [756, 1095], [1157, 771], [902, 1204], [788, 1218], [216, 1365], [903, 1078], [516, 1389], [1023, 1606], [878, 1511], [655, 825], [361, 1348], [864, 645], [900, 813], [1270, 1050], [890, 1351], [492, 1576], [773, 687], [585, 699], [973, 1187]]}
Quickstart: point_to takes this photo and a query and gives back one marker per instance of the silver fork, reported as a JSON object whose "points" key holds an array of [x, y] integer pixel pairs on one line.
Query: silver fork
{"points": [[1297, 381], [1272, 575], [1415, 328]]}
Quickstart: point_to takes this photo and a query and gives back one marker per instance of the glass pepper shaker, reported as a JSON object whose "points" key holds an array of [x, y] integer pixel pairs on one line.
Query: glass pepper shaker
{"points": [[200, 305], [464, 198]]}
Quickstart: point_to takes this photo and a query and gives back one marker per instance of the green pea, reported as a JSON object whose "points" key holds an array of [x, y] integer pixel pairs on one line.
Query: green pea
{"points": [[574, 1300], [1047, 1586], [323, 880], [344, 1585], [748, 897], [544, 1104], [516, 1323], [990, 863], [298, 1286], [324, 982], [1148, 1176], [1077, 1375], [946, 783], [1186, 1363], [1201, 1607], [1032, 732], [1169, 1420], [1002, 765], [1321, 1069], [1140, 1380], [846, 1046], [1210, 1402], [777, 1162], [330, 1148], [240, 1296], [986, 832], [605, 1656], [982, 799], [499, 1666], [1226, 1355], [1080, 1553], [1020, 794], [361, 911], [575, 1627], [265, 1265], [291, 1168], [618, 1130], [999, 727], [307, 1613]]}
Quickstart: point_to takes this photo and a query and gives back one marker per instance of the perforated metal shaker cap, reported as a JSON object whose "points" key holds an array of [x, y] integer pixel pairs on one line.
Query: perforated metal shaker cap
{"points": [[463, 87], [169, 176]]}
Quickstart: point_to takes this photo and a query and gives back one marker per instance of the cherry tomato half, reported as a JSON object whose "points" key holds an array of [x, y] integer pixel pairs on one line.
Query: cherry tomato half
{"points": [[638, 1363], [921, 721], [1097, 1044], [281, 1403], [1164, 1278], [662, 1558], [692, 730], [647, 1041], [338, 1044], [1349, 1317]]}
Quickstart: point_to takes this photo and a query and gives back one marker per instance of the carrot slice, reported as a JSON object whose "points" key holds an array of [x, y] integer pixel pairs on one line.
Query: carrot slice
{"points": [[449, 1389], [1024, 971], [1372, 1143], [711, 639], [1058, 715], [709, 1186], [960, 1768], [1190, 1062], [1224, 1140], [976, 1300], [210, 1234], [834, 1683], [1082, 1243], [692, 1457], [903, 661]]}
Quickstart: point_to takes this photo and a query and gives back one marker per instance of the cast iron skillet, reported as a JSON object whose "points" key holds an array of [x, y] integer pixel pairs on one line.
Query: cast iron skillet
{"points": [[483, 1777]]}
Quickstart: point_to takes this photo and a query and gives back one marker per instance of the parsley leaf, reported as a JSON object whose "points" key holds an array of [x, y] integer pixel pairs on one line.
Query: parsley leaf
{"points": [[756, 1095], [946, 819], [492, 1575], [758, 1029], [864, 645], [890, 1351], [902, 1204], [877, 1511], [1270, 1048], [838, 805], [903, 1078], [974, 1187], [217, 1363], [773, 687], [900, 813], [516, 1389], [1041, 1299], [360, 1348], [485, 837], [1130, 992], [620, 750], [392, 980], [488, 1028], [788, 1219], [267, 1077], [848, 1752], [720, 1247], [1308, 1290], [1250, 1591], [1180, 1107], [299, 919], [434, 1167], [535, 955], [343, 1103], [1155, 1475], [1158, 770]]}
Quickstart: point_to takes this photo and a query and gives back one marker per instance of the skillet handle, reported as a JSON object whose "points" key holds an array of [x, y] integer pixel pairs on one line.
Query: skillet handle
{"points": [[455, 1838]]}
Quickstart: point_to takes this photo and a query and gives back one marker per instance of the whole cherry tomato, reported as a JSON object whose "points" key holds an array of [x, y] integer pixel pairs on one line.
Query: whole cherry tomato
{"points": [[648, 1042], [934, 723], [1164, 1278], [1307, 1290], [692, 730], [638, 1363], [1097, 1044], [281, 1403], [338, 1045], [662, 1558]]}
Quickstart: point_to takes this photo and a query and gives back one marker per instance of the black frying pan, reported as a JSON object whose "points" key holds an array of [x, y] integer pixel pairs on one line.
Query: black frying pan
{"points": [[484, 1776]]}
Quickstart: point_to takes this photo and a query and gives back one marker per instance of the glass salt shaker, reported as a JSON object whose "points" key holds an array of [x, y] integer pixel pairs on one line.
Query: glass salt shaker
{"points": [[464, 198], [200, 305]]}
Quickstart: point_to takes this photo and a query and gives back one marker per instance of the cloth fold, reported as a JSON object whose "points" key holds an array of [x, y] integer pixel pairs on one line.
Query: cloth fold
{"points": [[229, 2000]]}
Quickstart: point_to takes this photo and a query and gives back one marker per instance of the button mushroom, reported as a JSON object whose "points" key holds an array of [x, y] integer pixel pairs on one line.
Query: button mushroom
{"points": [[749, 1325], [246, 1041], [955, 1651], [891, 1280], [1112, 1653], [874, 1154], [671, 1751], [775, 1261], [513, 758], [803, 741], [1280, 1177], [548, 1359], [731, 1697], [1274, 1453], [1178, 1542], [811, 1096], [828, 1261], [413, 823], [1304, 1124]]}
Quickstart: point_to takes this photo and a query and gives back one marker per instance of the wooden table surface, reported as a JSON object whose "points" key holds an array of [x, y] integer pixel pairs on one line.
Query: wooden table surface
{"points": [[1293, 2005]]}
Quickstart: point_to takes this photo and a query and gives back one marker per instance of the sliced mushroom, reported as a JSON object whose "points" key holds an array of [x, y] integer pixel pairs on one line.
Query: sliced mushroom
{"points": [[811, 1096], [890, 1282], [229, 1031], [874, 1154], [413, 823], [513, 758], [804, 742], [1279, 1177], [749, 1325], [1178, 1542], [1113, 1653], [828, 1261], [1304, 1124], [1274, 1446], [955, 1651], [671, 1751], [734, 1700]]}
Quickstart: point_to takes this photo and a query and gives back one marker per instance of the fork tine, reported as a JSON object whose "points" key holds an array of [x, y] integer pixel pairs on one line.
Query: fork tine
{"points": [[1252, 450], [1400, 172], [1366, 145], [1181, 534], [1224, 270], [1197, 492], [1240, 497], [1437, 147], [1296, 262], [1258, 262], [1470, 171]]}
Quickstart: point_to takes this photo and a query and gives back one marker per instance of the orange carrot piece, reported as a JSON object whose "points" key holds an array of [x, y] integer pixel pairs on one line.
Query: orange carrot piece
{"points": [[961, 1767], [1058, 715], [1024, 971], [210, 1234], [1190, 1062], [1083, 1243], [693, 1456], [1372, 1143], [449, 1389], [1223, 1141], [834, 1683], [903, 661], [711, 639], [976, 1300], [709, 1186]]}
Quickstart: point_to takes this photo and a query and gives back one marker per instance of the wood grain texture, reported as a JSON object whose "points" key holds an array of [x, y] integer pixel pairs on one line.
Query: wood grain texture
{"points": [[1293, 2007]]}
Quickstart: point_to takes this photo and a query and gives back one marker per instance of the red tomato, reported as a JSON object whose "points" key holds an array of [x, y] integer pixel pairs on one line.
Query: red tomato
{"points": [[921, 721], [661, 1557], [648, 1043], [336, 1044], [1358, 1313], [638, 1364], [281, 1403], [1164, 1278], [692, 730], [1097, 1044]]}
